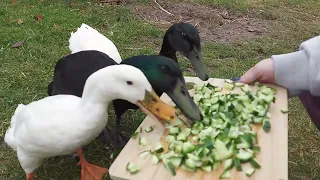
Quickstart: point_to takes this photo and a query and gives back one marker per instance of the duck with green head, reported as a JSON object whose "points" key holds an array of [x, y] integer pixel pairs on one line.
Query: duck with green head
{"points": [[163, 74]]}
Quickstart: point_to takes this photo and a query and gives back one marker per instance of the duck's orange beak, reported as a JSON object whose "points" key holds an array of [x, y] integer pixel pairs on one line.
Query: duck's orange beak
{"points": [[153, 106]]}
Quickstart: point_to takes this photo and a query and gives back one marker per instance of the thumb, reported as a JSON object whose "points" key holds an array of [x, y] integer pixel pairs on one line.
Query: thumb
{"points": [[249, 77]]}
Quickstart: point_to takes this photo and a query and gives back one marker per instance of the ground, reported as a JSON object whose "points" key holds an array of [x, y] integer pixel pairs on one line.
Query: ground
{"points": [[235, 35]]}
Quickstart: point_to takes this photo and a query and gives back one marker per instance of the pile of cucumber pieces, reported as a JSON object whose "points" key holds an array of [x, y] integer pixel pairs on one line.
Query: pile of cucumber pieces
{"points": [[225, 135]]}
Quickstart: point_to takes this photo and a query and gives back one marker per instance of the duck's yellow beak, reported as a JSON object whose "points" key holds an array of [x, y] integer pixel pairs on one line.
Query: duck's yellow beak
{"points": [[153, 106]]}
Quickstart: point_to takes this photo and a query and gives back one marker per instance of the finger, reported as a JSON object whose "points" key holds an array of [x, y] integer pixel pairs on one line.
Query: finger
{"points": [[249, 77]]}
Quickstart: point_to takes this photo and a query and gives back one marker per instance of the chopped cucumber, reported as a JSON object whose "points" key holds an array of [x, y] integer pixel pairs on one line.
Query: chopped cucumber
{"points": [[155, 159], [176, 161], [144, 154], [254, 163], [132, 168], [225, 136], [186, 168], [225, 175], [187, 147], [149, 129], [244, 156], [237, 163], [170, 139], [284, 111], [227, 164], [174, 130], [207, 168], [249, 172], [158, 148], [143, 141], [266, 125], [169, 166]]}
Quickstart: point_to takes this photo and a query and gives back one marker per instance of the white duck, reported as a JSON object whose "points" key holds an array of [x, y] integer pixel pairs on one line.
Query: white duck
{"points": [[87, 38], [62, 124]]}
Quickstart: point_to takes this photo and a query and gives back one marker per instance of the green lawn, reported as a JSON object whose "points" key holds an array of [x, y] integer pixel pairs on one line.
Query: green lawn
{"points": [[25, 72]]}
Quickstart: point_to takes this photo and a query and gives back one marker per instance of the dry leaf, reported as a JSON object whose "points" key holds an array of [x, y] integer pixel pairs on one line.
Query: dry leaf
{"points": [[56, 26], [18, 44], [20, 21], [13, 1], [38, 17], [72, 4], [83, 10]]}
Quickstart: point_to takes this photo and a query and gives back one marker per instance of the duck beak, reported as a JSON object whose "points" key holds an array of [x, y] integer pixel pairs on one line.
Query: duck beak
{"points": [[181, 97], [198, 65], [153, 106]]}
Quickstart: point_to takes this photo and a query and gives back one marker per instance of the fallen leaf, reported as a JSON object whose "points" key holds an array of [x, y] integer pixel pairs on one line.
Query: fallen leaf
{"points": [[72, 4], [38, 17], [83, 10], [13, 1], [56, 26], [18, 44], [20, 21]]}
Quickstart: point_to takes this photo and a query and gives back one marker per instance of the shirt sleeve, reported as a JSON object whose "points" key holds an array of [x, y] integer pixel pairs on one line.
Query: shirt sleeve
{"points": [[300, 71]]}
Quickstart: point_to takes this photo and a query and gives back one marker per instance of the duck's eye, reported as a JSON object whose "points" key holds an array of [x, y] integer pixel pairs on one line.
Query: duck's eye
{"points": [[129, 82], [165, 69]]}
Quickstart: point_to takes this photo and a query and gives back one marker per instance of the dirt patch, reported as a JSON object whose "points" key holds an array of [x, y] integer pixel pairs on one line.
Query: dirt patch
{"points": [[214, 24]]}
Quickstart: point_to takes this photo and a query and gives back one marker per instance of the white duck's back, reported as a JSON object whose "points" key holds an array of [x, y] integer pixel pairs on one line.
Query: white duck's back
{"points": [[87, 38], [41, 120]]}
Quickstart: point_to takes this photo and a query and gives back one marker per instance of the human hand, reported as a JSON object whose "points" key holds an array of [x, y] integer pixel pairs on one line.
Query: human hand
{"points": [[261, 72]]}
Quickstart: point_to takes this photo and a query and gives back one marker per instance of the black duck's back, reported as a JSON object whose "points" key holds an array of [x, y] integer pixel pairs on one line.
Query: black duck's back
{"points": [[72, 71]]}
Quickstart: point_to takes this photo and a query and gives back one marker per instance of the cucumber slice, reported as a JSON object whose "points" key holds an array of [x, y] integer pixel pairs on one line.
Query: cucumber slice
{"points": [[249, 172], [170, 139], [284, 111], [169, 166], [222, 152], [174, 130], [176, 161], [207, 168], [225, 175], [155, 159], [149, 129], [237, 163], [144, 154], [187, 147], [244, 156], [143, 141], [132, 168], [186, 168], [158, 148], [190, 163], [227, 164], [254, 163], [266, 125]]}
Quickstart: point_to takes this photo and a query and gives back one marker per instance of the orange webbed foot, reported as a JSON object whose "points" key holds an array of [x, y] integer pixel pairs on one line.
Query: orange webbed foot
{"points": [[90, 171]]}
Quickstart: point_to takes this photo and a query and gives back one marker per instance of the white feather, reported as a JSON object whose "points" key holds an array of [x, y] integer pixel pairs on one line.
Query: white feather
{"points": [[61, 124], [87, 38]]}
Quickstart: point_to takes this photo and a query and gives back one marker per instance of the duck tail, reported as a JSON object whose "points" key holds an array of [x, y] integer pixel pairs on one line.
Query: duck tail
{"points": [[9, 137], [79, 38]]}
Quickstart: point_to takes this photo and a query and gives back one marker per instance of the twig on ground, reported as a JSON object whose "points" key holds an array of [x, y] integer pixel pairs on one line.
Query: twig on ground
{"points": [[162, 9]]}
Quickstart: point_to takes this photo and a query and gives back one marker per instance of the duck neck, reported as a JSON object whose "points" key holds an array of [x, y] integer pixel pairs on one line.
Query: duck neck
{"points": [[167, 50], [99, 90]]}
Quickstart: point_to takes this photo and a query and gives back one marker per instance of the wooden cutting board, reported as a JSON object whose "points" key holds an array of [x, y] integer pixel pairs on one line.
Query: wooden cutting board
{"points": [[273, 156]]}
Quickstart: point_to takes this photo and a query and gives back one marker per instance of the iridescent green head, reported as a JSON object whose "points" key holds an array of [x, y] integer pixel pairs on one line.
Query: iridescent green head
{"points": [[165, 75]]}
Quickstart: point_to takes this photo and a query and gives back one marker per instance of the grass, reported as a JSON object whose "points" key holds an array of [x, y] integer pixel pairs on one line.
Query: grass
{"points": [[25, 72]]}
